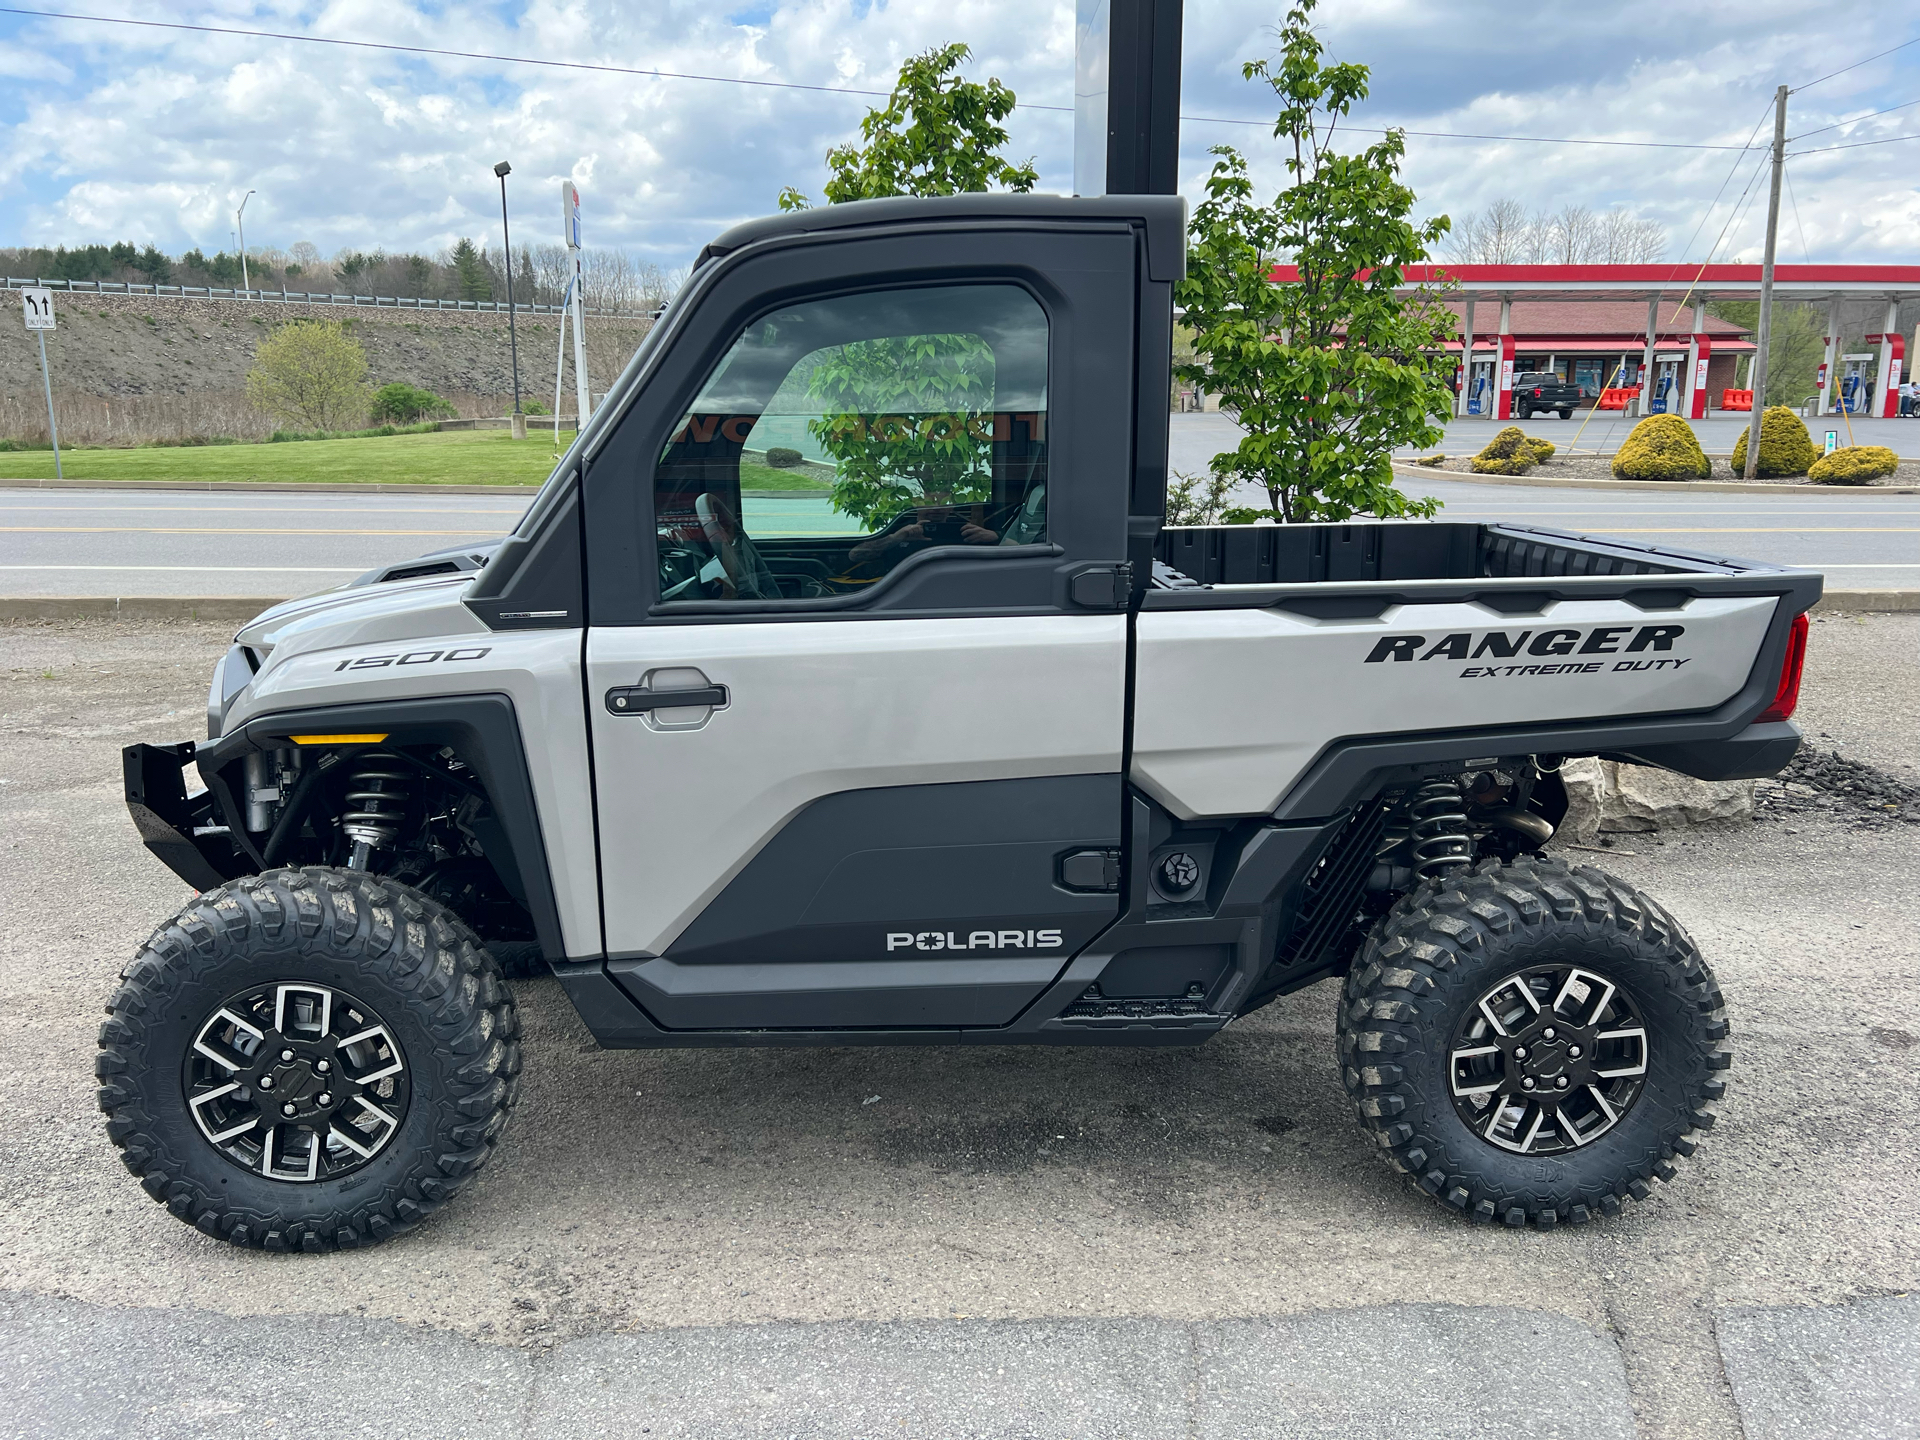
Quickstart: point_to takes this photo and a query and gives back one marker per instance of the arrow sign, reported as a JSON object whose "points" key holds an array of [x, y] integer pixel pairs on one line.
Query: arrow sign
{"points": [[38, 305]]}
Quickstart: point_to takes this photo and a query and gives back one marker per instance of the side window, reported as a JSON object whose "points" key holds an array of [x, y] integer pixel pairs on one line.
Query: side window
{"points": [[837, 437]]}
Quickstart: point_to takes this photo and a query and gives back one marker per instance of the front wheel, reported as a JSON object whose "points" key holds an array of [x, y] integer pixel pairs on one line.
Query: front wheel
{"points": [[308, 1059], [1532, 1042]]}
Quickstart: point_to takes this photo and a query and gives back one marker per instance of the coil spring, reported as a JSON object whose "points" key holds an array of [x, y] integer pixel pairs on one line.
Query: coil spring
{"points": [[376, 800], [1437, 825]]}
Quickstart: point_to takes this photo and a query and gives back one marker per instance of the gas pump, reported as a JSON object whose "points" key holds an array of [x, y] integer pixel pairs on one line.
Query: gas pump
{"points": [[1698, 351], [1854, 379], [1479, 388], [1666, 371], [1893, 349]]}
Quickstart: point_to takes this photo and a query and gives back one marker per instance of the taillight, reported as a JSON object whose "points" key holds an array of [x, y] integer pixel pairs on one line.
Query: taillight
{"points": [[1536, 392], [1788, 695]]}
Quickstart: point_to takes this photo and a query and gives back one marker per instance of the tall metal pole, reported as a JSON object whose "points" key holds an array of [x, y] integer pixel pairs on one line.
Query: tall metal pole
{"points": [[1766, 284], [53, 430], [240, 219], [503, 169]]}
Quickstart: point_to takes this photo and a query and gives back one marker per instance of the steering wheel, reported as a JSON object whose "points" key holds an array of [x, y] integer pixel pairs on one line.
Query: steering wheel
{"points": [[746, 571]]}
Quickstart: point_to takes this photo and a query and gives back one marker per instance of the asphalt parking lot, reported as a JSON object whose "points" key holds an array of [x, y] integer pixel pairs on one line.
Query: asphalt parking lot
{"points": [[975, 1242]]}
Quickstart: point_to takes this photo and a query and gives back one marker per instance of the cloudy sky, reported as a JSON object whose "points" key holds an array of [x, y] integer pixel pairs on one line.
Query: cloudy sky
{"points": [[116, 132]]}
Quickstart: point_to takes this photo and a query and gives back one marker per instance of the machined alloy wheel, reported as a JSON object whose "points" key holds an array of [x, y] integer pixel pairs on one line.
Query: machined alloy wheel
{"points": [[1548, 1060], [297, 1081], [1533, 1042], [308, 1059]]}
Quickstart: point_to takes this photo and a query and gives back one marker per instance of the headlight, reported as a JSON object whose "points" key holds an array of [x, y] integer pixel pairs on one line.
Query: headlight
{"points": [[231, 674]]}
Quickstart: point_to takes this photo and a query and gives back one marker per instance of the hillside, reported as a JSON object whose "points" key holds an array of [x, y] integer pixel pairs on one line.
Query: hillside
{"points": [[134, 368]]}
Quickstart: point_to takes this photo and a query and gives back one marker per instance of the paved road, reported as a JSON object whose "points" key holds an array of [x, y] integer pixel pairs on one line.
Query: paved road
{"points": [[1028, 1243], [83, 542]]}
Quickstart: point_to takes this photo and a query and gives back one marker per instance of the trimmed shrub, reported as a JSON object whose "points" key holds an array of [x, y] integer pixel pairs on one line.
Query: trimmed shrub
{"points": [[1855, 465], [781, 458], [1785, 446], [402, 404], [1661, 447], [1542, 449], [1510, 452]]}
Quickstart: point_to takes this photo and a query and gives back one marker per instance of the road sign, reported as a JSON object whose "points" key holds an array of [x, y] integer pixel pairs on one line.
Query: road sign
{"points": [[38, 305], [1833, 441], [570, 214]]}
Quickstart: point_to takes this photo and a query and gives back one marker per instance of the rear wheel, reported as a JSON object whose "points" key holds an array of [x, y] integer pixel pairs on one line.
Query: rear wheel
{"points": [[1532, 1042], [308, 1059], [1567, 414]]}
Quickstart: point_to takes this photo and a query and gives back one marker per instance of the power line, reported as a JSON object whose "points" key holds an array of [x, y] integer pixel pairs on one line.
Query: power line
{"points": [[1787, 175], [1857, 144], [581, 65], [1857, 64], [1854, 121]]}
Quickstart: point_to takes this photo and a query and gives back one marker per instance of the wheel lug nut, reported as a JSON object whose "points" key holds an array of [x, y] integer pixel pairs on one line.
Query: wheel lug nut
{"points": [[288, 1108], [1561, 1083], [1573, 1052], [322, 1066], [286, 1054], [266, 1082], [1527, 1082], [325, 1098], [1548, 1032], [1519, 1052]]}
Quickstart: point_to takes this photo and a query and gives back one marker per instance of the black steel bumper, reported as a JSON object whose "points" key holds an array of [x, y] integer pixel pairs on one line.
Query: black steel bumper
{"points": [[186, 832], [1754, 754]]}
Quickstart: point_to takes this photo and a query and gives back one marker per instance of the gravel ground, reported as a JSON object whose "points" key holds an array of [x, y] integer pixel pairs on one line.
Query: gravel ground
{"points": [[1600, 467], [641, 1190]]}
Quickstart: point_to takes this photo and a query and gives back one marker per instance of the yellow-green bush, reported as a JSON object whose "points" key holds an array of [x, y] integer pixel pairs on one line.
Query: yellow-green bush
{"points": [[1785, 446], [1855, 465], [1661, 447], [1508, 453], [1542, 449]]}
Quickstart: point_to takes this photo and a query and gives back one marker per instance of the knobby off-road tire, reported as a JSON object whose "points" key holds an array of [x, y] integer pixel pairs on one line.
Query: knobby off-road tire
{"points": [[1450, 942], [370, 950]]}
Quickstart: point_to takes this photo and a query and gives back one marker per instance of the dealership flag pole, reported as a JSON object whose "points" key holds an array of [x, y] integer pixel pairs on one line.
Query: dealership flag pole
{"points": [[1766, 285], [570, 219]]}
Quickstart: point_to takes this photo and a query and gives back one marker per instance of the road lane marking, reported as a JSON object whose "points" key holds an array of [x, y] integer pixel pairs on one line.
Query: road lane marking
{"points": [[212, 569], [196, 530]]}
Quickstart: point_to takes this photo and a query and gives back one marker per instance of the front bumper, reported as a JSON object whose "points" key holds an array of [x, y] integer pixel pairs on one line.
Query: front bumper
{"points": [[187, 833]]}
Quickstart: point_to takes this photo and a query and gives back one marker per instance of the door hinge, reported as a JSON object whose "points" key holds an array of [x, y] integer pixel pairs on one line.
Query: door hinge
{"points": [[1105, 587]]}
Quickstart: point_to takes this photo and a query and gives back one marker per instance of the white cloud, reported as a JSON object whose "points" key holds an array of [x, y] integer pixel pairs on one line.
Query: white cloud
{"points": [[153, 135]]}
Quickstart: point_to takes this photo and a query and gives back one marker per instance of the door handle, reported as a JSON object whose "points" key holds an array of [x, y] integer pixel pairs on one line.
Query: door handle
{"points": [[632, 700]]}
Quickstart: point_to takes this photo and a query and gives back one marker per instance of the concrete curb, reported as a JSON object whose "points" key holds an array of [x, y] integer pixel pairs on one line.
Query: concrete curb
{"points": [[272, 487], [237, 609], [1665, 487], [227, 609]]}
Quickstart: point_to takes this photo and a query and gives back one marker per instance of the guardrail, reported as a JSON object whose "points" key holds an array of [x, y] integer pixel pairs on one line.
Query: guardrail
{"points": [[303, 297]]}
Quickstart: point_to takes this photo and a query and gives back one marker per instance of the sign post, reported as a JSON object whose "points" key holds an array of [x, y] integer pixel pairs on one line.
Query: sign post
{"points": [[38, 305], [570, 219]]}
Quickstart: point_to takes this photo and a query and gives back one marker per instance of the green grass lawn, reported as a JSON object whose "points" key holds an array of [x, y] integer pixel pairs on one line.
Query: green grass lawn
{"points": [[455, 457]]}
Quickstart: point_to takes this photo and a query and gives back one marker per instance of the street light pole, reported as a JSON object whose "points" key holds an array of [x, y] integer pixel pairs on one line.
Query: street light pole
{"points": [[519, 422], [1761, 340], [240, 219]]}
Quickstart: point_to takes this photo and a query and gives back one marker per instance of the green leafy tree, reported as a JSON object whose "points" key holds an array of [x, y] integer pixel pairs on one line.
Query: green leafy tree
{"points": [[310, 374], [907, 423], [398, 403], [939, 134], [908, 419], [1330, 374]]}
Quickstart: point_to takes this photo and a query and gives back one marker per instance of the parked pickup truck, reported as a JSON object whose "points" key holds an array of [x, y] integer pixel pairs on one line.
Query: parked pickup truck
{"points": [[1540, 390], [985, 755]]}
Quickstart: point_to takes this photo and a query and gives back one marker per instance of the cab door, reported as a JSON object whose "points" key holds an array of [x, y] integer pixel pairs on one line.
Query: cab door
{"points": [[857, 645]]}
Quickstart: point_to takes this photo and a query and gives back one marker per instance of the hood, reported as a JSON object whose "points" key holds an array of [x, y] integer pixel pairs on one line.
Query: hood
{"points": [[360, 614]]}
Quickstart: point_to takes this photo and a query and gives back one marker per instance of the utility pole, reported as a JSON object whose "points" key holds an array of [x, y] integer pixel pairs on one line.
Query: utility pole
{"points": [[240, 219], [1766, 284], [519, 422]]}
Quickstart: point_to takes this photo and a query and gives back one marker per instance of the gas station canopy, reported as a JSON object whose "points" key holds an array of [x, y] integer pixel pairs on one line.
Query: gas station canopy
{"points": [[1869, 384]]}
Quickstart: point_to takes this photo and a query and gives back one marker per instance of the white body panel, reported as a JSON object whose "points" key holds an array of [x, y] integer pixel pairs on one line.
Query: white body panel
{"points": [[817, 708], [539, 670], [1231, 706]]}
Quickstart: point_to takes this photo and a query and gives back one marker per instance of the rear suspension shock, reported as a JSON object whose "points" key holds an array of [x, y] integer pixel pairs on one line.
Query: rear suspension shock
{"points": [[1437, 826]]}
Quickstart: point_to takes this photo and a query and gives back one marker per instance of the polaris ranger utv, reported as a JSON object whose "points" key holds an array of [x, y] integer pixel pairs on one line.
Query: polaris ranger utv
{"points": [[1009, 762]]}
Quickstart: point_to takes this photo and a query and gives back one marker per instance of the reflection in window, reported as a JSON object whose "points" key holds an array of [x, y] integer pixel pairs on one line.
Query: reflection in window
{"points": [[840, 436]]}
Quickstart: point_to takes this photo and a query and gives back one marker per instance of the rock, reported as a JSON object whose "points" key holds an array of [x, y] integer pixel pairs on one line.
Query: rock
{"points": [[1605, 797]]}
